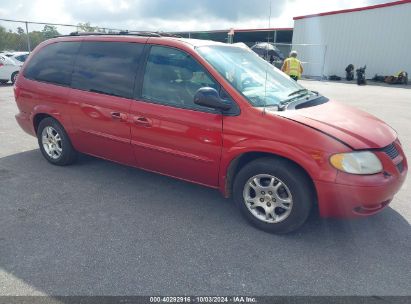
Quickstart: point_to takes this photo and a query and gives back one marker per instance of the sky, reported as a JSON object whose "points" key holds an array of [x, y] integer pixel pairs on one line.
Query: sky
{"points": [[172, 15]]}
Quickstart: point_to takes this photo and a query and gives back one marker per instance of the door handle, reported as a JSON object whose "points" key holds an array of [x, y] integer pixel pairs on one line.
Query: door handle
{"points": [[142, 121], [119, 116]]}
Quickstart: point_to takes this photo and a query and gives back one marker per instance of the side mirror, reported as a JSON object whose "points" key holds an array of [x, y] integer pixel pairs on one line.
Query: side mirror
{"points": [[209, 97]]}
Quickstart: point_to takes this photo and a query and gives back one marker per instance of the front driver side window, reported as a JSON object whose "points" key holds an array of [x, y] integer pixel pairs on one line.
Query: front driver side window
{"points": [[172, 77]]}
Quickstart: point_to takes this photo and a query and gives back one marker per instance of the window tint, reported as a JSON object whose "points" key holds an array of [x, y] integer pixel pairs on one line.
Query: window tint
{"points": [[53, 63], [21, 58], [173, 77], [107, 67]]}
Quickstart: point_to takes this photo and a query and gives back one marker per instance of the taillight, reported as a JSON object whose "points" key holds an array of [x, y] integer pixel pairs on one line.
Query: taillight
{"points": [[1, 65]]}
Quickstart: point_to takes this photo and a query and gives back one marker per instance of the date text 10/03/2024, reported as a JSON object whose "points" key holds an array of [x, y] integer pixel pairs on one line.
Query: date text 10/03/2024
{"points": [[203, 299]]}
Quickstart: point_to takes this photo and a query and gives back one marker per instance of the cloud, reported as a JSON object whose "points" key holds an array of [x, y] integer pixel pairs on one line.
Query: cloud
{"points": [[152, 14], [171, 15], [228, 10]]}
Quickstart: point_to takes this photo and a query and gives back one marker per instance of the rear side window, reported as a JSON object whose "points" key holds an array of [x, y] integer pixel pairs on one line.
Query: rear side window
{"points": [[53, 63], [107, 67]]}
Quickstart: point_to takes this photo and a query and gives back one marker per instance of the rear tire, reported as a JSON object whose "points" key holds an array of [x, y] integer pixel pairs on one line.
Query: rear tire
{"points": [[54, 143], [13, 77], [273, 194]]}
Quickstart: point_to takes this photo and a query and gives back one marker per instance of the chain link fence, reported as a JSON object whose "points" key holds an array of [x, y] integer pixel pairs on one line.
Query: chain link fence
{"points": [[24, 36], [312, 57]]}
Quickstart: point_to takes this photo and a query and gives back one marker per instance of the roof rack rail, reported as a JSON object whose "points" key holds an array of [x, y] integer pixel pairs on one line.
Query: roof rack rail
{"points": [[132, 33], [151, 34], [138, 33], [84, 33]]}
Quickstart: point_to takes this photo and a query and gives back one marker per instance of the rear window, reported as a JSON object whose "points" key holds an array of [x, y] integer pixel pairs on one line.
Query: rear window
{"points": [[107, 67], [21, 58], [53, 63]]}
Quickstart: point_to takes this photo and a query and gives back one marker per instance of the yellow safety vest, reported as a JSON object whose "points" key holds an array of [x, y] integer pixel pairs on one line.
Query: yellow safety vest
{"points": [[293, 67]]}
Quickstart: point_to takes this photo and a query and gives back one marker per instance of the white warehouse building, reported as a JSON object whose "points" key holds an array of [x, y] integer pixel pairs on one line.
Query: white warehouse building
{"points": [[378, 36]]}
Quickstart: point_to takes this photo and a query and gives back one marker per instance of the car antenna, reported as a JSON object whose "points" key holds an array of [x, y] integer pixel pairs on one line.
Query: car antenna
{"points": [[266, 69]]}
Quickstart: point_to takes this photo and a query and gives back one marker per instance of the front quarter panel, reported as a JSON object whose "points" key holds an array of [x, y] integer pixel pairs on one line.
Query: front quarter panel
{"points": [[257, 131]]}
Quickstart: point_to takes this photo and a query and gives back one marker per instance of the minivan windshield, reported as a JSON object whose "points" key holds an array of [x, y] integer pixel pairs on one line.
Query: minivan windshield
{"points": [[260, 82]]}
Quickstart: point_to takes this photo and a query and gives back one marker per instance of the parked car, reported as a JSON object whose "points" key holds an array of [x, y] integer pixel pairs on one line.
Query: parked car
{"points": [[212, 114], [19, 57], [9, 69]]}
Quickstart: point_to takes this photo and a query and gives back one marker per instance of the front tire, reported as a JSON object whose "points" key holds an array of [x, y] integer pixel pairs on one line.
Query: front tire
{"points": [[54, 143], [273, 194], [13, 77]]}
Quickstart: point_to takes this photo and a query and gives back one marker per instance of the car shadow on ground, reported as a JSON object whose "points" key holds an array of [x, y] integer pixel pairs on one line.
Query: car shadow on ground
{"points": [[97, 227]]}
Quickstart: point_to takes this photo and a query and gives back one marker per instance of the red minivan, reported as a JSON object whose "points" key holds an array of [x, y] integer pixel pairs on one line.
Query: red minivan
{"points": [[213, 114]]}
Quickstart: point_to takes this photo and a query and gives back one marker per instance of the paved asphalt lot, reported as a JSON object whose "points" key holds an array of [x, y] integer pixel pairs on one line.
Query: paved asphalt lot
{"points": [[99, 228]]}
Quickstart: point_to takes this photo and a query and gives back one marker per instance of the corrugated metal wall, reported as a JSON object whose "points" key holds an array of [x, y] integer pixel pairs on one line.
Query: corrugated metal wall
{"points": [[379, 38]]}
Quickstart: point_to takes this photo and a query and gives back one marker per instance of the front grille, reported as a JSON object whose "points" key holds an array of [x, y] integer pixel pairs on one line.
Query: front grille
{"points": [[391, 151], [400, 167]]}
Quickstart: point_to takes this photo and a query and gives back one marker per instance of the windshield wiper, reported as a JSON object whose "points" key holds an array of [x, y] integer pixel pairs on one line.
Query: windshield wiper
{"points": [[296, 92], [285, 102]]}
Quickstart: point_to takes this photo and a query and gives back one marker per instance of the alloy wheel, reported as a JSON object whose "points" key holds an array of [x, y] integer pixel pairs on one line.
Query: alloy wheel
{"points": [[268, 198], [52, 143]]}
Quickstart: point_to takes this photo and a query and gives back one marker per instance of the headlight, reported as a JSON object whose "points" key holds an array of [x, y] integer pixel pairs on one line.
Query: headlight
{"points": [[363, 162]]}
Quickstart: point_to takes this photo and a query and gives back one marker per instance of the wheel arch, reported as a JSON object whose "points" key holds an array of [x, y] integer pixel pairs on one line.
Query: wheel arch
{"points": [[41, 112], [16, 72], [37, 118], [240, 160]]}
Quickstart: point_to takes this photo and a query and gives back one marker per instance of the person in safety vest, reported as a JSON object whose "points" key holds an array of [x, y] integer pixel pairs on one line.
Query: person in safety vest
{"points": [[292, 66]]}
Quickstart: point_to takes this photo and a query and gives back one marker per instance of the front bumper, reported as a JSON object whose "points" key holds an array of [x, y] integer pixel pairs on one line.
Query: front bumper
{"points": [[362, 195]]}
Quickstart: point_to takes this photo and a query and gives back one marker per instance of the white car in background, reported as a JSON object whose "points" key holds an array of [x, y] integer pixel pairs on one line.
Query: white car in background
{"points": [[19, 57], [10, 64]]}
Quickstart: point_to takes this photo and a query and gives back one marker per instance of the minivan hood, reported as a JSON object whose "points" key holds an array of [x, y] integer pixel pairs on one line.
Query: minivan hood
{"points": [[356, 128]]}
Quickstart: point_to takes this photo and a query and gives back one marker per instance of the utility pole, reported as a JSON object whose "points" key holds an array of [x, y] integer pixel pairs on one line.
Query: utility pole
{"points": [[28, 38], [230, 39]]}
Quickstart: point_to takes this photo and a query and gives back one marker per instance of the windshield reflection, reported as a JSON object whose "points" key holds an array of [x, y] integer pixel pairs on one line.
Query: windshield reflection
{"points": [[260, 82]]}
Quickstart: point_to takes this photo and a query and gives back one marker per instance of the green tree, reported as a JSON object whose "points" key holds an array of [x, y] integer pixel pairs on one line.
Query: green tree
{"points": [[2, 38], [50, 31], [20, 31], [36, 37], [86, 27], [17, 41], [12, 41]]}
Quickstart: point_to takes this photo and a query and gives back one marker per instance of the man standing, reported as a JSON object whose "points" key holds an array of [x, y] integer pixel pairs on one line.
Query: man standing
{"points": [[292, 66]]}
